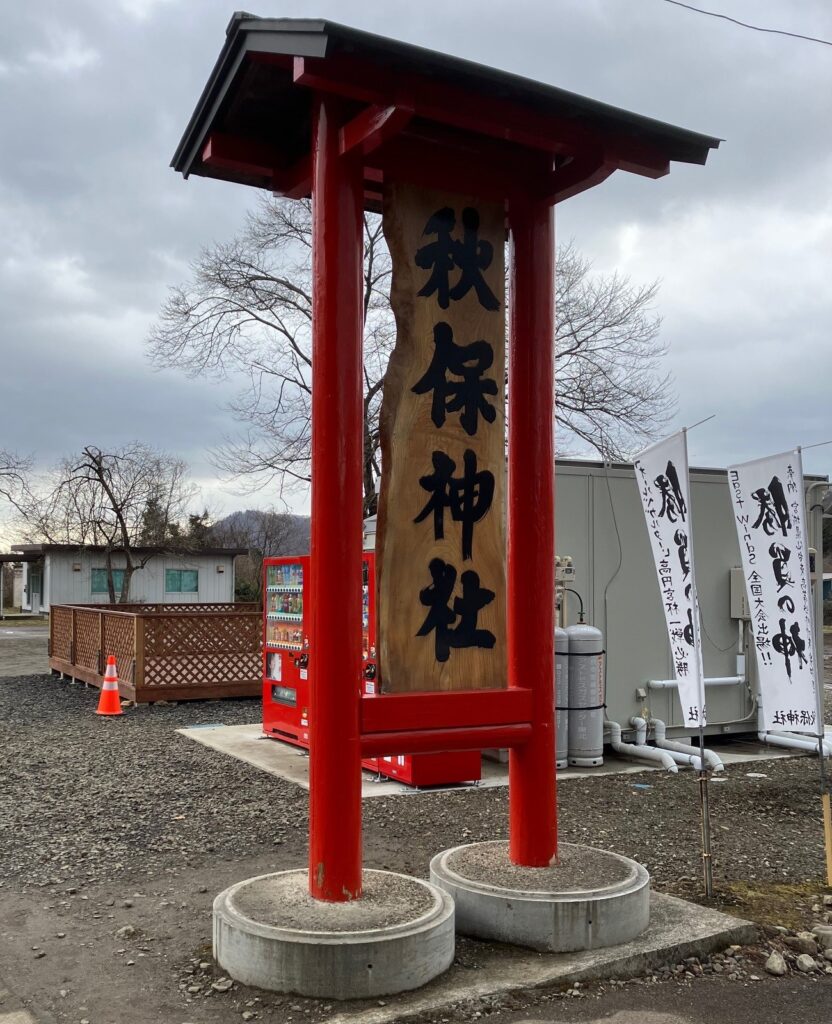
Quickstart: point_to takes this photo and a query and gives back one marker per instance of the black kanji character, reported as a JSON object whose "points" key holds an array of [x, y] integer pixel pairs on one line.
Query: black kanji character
{"points": [[774, 508], [468, 498], [468, 394], [780, 556], [466, 608], [790, 644], [436, 597], [474, 599], [673, 501], [681, 539], [469, 255]]}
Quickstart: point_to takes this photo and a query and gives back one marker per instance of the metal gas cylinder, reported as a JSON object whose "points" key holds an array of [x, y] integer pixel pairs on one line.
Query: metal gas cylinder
{"points": [[586, 696], [561, 696]]}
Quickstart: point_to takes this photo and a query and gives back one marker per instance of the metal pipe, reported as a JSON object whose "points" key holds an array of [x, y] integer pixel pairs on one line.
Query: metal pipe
{"points": [[671, 684], [640, 726], [337, 456], [533, 837], [776, 739], [638, 751], [684, 750]]}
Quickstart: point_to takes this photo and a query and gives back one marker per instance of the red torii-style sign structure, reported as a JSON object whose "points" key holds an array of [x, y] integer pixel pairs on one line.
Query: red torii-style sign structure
{"points": [[303, 108]]}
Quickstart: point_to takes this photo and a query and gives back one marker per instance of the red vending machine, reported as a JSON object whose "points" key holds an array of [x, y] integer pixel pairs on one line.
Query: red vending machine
{"points": [[286, 671], [286, 650]]}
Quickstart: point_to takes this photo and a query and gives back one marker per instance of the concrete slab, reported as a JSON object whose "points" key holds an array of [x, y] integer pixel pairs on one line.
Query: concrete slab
{"points": [[677, 930], [247, 743], [23, 650]]}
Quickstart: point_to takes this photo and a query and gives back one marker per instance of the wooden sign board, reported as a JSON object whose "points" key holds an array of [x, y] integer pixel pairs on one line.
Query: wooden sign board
{"points": [[441, 523]]}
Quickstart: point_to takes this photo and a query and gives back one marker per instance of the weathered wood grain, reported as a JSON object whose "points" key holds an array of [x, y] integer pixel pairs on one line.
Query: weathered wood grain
{"points": [[409, 437]]}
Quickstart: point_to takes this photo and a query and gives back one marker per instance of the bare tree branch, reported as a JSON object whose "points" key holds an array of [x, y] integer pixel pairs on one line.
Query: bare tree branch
{"points": [[246, 315], [121, 500]]}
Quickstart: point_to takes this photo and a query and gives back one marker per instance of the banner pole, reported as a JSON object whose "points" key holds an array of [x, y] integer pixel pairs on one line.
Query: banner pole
{"points": [[704, 802], [826, 809], [705, 807]]}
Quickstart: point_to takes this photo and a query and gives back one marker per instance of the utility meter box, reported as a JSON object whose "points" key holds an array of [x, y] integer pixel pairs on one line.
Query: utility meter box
{"points": [[739, 598]]}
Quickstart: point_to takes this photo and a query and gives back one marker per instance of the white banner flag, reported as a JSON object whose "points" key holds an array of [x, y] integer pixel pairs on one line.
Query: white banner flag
{"points": [[664, 486], [770, 516]]}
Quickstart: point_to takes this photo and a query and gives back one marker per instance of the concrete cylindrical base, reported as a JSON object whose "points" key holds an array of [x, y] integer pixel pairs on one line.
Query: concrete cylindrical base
{"points": [[269, 932], [590, 899]]}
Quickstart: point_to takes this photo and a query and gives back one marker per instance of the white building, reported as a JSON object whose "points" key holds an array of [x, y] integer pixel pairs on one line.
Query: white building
{"points": [[67, 574]]}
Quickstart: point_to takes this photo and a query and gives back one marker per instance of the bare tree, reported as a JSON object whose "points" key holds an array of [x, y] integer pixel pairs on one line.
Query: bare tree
{"points": [[246, 314], [248, 311], [265, 533], [104, 498], [611, 391], [14, 470]]}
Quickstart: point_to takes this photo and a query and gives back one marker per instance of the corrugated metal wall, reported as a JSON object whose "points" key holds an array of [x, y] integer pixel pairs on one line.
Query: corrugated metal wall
{"points": [[64, 585], [590, 503]]}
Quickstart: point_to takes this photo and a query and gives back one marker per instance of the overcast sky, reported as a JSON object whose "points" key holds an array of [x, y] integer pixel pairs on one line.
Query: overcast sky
{"points": [[94, 226]]}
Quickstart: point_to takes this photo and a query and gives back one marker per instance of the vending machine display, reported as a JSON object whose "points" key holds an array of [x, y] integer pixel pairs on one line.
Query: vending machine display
{"points": [[286, 669]]}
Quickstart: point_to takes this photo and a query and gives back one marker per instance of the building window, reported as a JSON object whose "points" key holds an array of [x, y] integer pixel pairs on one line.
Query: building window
{"points": [[99, 581], [181, 581]]}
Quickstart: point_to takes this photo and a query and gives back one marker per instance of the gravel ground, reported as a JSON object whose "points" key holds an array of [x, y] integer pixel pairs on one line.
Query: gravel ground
{"points": [[88, 799], [116, 833]]}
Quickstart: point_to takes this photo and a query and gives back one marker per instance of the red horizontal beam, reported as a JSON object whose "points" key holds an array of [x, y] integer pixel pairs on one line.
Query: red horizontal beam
{"points": [[372, 127], [438, 101], [436, 741], [582, 172], [256, 160], [437, 164], [294, 182], [461, 109], [431, 710], [242, 156]]}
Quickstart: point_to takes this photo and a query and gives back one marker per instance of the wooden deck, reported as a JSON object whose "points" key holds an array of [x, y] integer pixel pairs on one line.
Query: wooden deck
{"points": [[162, 652]]}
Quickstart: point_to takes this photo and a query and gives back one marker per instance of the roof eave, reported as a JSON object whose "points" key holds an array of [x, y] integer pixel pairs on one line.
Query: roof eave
{"points": [[312, 38]]}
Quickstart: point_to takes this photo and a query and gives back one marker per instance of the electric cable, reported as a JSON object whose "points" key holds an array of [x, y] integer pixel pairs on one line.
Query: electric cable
{"points": [[744, 24], [620, 548]]}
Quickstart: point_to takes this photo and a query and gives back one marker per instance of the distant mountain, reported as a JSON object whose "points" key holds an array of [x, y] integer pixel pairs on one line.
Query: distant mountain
{"points": [[266, 533]]}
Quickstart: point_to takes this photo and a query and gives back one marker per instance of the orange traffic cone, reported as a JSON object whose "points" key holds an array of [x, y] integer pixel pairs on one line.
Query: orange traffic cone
{"points": [[108, 702]]}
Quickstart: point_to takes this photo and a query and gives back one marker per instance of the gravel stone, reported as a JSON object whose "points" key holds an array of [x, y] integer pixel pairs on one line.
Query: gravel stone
{"points": [[578, 869], [155, 804], [285, 902], [806, 964], [804, 942], [776, 965]]}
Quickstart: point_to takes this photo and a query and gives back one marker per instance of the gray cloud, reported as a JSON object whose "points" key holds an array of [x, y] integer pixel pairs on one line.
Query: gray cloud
{"points": [[95, 226]]}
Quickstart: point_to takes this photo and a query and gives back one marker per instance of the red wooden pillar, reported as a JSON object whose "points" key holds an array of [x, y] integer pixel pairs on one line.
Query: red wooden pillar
{"points": [[337, 441], [531, 527]]}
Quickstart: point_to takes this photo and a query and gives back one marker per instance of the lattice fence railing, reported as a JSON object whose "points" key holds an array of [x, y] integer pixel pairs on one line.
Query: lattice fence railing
{"points": [[119, 639], [60, 633], [202, 670], [166, 635], [210, 648], [87, 639]]}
